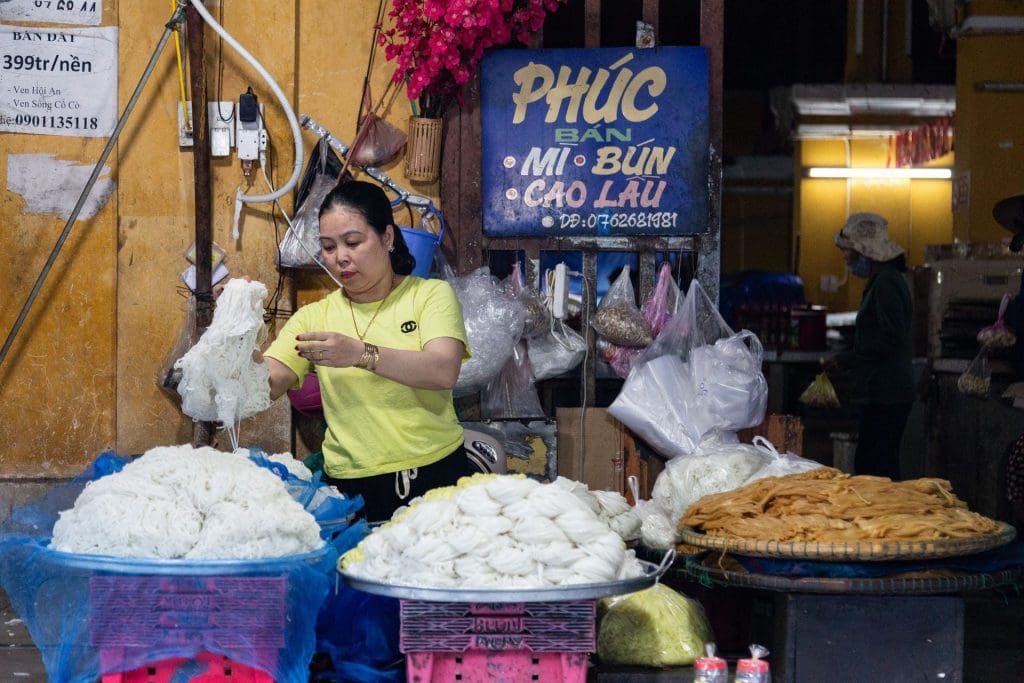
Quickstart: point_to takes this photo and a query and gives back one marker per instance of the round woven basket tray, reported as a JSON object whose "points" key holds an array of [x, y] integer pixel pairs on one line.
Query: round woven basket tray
{"points": [[714, 568], [853, 551]]}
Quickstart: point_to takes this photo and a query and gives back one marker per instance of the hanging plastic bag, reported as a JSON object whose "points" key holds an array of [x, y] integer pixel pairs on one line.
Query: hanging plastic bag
{"points": [[377, 141], [656, 311], [663, 302], [301, 244], [998, 335], [557, 352], [617, 318], [697, 377], [820, 393], [538, 319], [494, 323], [977, 379], [512, 393], [170, 376]]}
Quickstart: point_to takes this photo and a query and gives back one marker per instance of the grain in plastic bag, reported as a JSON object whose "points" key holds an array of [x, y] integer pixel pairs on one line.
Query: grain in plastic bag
{"points": [[998, 335], [537, 320], [977, 379], [617, 318], [820, 393]]}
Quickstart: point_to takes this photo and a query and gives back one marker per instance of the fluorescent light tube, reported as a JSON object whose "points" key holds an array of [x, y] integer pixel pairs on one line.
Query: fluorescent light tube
{"points": [[881, 173]]}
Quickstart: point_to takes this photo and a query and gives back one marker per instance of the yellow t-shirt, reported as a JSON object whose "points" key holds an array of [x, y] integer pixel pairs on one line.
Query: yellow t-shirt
{"points": [[376, 425]]}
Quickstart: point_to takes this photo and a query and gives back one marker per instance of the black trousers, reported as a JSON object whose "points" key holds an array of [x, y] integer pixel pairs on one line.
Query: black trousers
{"points": [[878, 440], [380, 492]]}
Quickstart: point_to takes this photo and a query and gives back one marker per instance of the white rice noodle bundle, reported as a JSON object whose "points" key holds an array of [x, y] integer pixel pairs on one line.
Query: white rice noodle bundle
{"points": [[551, 501], [538, 531], [475, 501], [513, 560], [612, 503], [581, 527], [506, 490]]}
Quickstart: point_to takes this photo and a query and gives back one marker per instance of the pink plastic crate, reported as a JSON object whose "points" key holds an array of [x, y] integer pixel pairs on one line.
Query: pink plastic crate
{"points": [[203, 668], [548, 642], [133, 616]]}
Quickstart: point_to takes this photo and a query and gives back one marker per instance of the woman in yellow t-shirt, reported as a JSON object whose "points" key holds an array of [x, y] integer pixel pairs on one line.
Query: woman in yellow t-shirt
{"points": [[387, 349]]}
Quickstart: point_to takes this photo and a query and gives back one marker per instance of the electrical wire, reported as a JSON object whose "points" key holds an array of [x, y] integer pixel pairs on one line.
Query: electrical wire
{"points": [[583, 380], [276, 89], [220, 70]]}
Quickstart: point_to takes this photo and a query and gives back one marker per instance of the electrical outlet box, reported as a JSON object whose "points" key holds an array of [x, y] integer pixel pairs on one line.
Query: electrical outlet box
{"points": [[185, 138], [221, 116], [251, 136]]}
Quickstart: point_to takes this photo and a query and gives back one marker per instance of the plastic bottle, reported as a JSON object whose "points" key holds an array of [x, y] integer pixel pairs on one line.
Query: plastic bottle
{"points": [[710, 669], [755, 669]]}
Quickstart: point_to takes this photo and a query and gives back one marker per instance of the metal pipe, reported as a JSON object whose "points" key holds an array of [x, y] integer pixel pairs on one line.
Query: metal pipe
{"points": [[175, 19]]}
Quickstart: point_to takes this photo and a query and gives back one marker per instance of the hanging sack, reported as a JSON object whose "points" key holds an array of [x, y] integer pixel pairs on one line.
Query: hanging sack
{"points": [[998, 335], [656, 311], [617, 318], [538, 319]]}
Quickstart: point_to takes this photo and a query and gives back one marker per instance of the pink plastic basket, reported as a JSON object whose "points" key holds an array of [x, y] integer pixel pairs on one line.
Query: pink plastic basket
{"points": [[548, 642], [203, 668]]}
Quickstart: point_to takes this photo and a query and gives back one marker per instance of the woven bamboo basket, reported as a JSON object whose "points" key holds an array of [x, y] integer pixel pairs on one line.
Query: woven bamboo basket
{"points": [[874, 550], [423, 150]]}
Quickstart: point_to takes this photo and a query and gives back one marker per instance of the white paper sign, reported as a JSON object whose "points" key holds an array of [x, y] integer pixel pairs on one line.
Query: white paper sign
{"points": [[84, 12], [58, 81]]}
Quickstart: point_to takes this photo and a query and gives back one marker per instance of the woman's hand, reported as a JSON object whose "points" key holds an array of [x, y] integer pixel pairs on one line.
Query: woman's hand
{"points": [[329, 349]]}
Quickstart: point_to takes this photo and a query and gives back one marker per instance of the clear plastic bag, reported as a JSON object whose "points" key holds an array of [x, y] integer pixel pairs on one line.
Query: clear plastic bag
{"points": [[301, 244], [697, 377], [512, 393], [617, 318], [977, 379], [663, 302], [537, 321], [820, 393], [557, 352], [998, 335], [494, 323], [656, 627], [780, 464]]}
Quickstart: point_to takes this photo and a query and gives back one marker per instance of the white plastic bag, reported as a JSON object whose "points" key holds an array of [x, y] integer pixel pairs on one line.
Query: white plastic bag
{"points": [[780, 464], [697, 377]]}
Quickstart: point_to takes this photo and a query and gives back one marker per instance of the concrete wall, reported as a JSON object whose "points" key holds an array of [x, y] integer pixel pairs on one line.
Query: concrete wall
{"points": [[81, 376]]}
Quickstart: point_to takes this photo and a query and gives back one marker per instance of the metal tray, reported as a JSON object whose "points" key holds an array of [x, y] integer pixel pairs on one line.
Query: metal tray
{"points": [[583, 591]]}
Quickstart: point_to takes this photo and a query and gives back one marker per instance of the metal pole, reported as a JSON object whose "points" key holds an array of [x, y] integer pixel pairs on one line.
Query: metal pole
{"points": [[176, 19], [202, 432]]}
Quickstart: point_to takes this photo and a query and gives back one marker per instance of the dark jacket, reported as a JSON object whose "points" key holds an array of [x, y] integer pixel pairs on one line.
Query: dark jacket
{"points": [[880, 360]]}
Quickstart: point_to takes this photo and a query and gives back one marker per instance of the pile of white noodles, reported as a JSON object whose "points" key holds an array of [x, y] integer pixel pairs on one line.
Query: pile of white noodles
{"points": [[180, 502], [219, 380], [494, 531]]}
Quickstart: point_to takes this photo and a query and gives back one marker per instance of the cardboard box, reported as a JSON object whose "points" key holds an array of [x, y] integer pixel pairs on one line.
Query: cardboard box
{"points": [[602, 448]]}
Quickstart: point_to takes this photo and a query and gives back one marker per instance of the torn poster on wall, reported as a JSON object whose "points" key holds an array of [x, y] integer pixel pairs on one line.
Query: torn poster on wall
{"points": [[83, 12], [52, 185], [595, 141], [58, 81]]}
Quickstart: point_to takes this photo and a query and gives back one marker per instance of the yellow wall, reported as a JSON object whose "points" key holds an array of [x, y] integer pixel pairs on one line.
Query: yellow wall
{"points": [[82, 374], [918, 212], [989, 125]]}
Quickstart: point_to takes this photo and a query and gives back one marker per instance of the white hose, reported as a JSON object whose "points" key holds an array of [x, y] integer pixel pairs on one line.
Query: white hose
{"points": [[276, 89]]}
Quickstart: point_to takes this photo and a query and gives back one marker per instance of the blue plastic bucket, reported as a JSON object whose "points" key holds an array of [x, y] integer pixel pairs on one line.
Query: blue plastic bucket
{"points": [[422, 245]]}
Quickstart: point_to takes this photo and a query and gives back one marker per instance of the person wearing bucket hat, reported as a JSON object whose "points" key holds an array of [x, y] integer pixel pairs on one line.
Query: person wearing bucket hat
{"points": [[387, 349], [879, 362]]}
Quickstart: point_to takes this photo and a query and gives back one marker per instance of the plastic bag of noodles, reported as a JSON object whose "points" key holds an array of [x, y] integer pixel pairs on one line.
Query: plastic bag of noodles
{"points": [[652, 627]]}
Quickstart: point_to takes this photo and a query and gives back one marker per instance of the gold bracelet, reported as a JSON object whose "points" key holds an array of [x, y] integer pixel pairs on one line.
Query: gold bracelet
{"points": [[375, 352], [364, 360]]}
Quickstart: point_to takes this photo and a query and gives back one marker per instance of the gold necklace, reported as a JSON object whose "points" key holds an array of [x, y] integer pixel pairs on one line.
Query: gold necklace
{"points": [[352, 311]]}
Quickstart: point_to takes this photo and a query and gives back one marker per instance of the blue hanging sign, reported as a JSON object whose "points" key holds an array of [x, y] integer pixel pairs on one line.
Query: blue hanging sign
{"points": [[595, 141]]}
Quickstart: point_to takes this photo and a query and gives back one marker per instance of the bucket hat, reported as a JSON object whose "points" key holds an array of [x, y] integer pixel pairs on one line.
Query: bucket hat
{"points": [[1009, 213], [868, 234]]}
